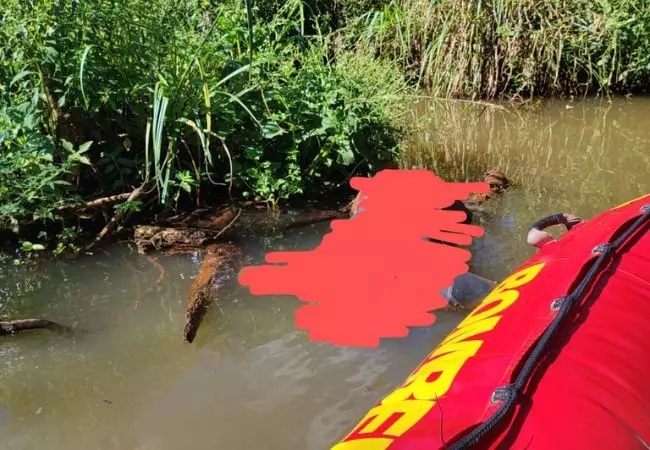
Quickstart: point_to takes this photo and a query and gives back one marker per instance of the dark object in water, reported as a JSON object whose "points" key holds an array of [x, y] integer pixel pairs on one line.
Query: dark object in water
{"points": [[497, 181], [15, 326], [468, 290], [498, 184]]}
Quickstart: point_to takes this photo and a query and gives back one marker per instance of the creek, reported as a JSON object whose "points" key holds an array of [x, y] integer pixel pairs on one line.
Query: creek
{"points": [[251, 381]]}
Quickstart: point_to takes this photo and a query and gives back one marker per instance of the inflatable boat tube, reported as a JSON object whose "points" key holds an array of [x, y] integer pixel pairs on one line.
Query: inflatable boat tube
{"points": [[557, 356]]}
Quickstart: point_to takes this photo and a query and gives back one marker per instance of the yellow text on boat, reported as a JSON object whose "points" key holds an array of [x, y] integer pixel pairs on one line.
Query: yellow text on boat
{"points": [[409, 403]]}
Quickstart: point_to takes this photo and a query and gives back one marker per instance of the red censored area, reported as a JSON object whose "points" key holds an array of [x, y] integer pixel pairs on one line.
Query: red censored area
{"points": [[375, 275]]}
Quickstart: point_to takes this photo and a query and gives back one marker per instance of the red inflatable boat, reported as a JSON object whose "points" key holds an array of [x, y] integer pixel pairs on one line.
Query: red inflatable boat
{"points": [[557, 356]]}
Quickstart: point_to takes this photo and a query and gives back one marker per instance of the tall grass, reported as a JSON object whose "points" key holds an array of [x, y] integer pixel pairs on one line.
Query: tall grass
{"points": [[491, 48]]}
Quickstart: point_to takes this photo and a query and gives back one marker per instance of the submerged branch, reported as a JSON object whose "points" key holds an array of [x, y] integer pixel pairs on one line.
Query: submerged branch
{"points": [[15, 326], [161, 274], [315, 217]]}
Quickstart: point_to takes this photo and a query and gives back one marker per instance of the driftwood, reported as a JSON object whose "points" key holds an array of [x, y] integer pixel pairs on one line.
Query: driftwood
{"points": [[183, 238], [171, 240], [15, 326], [220, 222], [220, 264], [197, 233], [222, 261]]}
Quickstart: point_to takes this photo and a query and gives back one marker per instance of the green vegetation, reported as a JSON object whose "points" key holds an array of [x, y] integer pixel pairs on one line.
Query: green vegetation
{"points": [[196, 101], [491, 48], [187, 98]]}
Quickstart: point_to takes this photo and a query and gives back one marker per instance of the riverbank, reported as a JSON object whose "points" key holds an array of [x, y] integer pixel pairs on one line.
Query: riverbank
{"points": [[183, 108], [499, 48]]}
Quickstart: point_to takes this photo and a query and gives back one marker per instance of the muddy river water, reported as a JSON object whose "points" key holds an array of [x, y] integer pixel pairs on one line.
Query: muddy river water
{"points": [[251, 381]]}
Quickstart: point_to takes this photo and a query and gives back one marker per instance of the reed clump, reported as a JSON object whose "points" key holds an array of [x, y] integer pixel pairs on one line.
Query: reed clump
{"points": [[496, 48]]}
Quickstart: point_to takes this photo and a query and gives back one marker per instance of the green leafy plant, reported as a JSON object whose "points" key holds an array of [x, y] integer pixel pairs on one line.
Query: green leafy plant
{"points": [[102, 97], [30, 247]]}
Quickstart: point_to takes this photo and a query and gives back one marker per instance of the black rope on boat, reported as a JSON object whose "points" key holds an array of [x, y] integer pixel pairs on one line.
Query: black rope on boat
{"points": [[508, 394], [545, 222], [555, 219]]}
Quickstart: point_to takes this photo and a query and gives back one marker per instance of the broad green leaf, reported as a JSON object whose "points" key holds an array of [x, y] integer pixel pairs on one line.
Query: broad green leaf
{"points": [[84, 160], [83, 148], [19, 76], [271, 129], [346, 155]]}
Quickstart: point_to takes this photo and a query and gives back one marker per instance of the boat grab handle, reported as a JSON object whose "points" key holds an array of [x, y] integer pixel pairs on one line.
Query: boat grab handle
{"points": [[537, 237]]}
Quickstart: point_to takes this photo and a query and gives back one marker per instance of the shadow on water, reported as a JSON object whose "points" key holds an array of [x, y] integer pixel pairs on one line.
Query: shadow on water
{"points": [[251, 381]]}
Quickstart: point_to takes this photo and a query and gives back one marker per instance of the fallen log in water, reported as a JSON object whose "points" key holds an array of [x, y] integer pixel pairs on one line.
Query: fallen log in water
{"points": [[196, 234], [220, 264], [15, 326], [171, 240], [185, 238]]}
